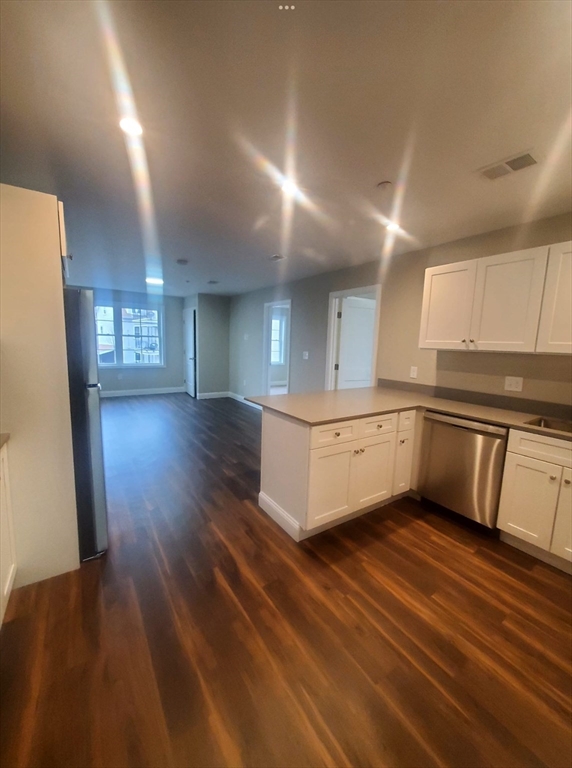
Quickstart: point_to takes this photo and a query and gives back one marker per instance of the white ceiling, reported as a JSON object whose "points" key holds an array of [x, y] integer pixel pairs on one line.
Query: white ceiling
{"points": [[459, 84]]}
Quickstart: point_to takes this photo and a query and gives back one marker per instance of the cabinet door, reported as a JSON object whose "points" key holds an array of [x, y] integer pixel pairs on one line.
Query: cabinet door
{"points": [[7, 552], [528, 499], [329, 483], [447, 302], [403, 462], [555, 330], [562, 536], [372, 470], [508, 294]]}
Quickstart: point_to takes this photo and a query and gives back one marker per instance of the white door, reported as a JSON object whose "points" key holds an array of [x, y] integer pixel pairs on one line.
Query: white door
{"points": [[447, 302], [372, 470], [189, 316], [562, 536], [357, 332], [329, 483], [528, 500], [508, 295], [403, 462], [555, 330]]}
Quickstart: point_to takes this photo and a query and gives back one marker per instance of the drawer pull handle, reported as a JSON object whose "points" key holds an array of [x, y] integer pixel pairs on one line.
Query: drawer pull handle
{"points": [[380, 426], [401, 442], [463, 341], [356, 451], [362, 450], [336, 434], [553, 477], [567, 482]]}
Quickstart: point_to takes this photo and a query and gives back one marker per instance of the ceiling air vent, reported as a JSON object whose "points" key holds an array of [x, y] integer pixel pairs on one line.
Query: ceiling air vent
{"points": [[277, 257], [508, 166]]}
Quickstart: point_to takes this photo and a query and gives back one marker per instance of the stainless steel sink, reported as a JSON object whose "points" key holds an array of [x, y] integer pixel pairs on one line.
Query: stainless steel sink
{"points": [[541, 421]]}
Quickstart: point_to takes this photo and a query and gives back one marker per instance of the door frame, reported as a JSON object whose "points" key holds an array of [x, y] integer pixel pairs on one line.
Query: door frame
{"points": [[266, 342], [335, 302], [196, 362]]}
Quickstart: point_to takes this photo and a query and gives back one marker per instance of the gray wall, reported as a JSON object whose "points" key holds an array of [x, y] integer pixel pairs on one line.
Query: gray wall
{"points": [[309, 328], [547, 377], [213, 315], [172, 374]]}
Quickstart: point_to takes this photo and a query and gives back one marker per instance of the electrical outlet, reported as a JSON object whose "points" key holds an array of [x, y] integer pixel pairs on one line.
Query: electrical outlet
{"points": [[413, 372], [513, 383], [244, 383], [304, 355]]}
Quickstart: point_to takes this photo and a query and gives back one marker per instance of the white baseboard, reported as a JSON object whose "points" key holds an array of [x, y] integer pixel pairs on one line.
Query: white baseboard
{"points": [[131, 392], [241, 399], [280, 516], [541, 554], [8, 589], [211, 395]]}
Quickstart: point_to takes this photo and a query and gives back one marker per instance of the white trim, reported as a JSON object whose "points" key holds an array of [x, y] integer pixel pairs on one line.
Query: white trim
{"points": [[8, 588], [211, 395], [540, 554], [131, 392], [266, 342], [242, 399], [280, 516], [334, 301]]}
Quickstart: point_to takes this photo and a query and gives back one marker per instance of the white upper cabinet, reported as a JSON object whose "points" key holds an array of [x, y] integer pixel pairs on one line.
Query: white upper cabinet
{"points": [[555, 330], [506, 306], [447, 300]]}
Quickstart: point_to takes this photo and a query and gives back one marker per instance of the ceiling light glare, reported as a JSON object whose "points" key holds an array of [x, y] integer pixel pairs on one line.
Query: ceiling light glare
{"points": [[154, 280], [130, 126], [393, 227], [289, 188]]}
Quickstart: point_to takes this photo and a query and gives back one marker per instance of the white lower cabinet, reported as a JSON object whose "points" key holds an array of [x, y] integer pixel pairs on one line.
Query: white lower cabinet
{"points": [[371, 473], [528, 499], [403, 462], [7, 549], [329, 494], [536, 495], [562, 537]]}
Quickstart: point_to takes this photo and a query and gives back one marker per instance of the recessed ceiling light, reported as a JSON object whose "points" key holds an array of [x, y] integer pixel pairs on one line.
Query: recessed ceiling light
{"points": [[392, 227], [130, 126], [277, 257], [154, 280], [213, 282]]}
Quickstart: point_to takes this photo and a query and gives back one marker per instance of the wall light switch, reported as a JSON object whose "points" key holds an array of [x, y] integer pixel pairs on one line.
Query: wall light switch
{"points": [[120, 376], [513, 383], [305, 355], [413, 372], [244, 382], [246, 337]]}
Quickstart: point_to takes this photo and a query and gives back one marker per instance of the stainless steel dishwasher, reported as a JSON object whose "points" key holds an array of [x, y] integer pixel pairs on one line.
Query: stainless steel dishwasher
{"points": [[461, 465]]}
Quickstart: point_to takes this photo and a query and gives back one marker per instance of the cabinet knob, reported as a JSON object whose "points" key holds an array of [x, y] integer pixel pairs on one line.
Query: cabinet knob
{"points": [[567, 482], [401, 442], [463, 341], [553, 477], [472, 341], [336, 434], [362, 450], [356, 451], [379, 426]]}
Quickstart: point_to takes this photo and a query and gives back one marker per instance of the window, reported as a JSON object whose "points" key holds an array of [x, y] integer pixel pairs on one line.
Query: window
{"points": [[129, 335], [277, 341]]}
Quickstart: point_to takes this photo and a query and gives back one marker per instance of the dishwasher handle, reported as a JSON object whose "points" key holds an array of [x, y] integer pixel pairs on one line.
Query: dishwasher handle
{"points": [[472, 426]]}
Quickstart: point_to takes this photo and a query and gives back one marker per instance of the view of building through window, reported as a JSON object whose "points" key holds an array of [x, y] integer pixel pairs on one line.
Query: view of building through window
{"points": [[277, 341], [128, 336]]}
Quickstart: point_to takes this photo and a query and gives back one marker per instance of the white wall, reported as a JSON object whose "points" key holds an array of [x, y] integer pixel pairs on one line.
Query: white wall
{"points": [[34, 394]]}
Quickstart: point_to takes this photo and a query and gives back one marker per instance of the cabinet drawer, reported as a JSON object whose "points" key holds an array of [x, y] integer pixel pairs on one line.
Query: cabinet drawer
{"points": [[378, 425], [406, 421], [330, 434], [542, 447]]}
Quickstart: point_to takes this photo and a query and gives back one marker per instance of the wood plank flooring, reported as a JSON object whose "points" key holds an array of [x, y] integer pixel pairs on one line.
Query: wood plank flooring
{"points": [[207, 637]]}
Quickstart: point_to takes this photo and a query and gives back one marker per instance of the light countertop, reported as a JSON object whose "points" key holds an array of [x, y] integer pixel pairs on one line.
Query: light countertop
{"points": [[340, 405], [4, 437]]}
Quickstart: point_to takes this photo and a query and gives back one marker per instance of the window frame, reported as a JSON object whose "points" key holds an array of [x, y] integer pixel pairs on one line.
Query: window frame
{"points": [[118, 334], [281, 339]]}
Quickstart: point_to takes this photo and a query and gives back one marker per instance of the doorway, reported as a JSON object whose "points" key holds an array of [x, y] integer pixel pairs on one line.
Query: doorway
{"points": [[276, 354], [190, 322], [353, 324]]}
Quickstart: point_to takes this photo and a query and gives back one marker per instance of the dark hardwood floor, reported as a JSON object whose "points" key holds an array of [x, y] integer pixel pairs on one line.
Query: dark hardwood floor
{"points": [[207, 637]]}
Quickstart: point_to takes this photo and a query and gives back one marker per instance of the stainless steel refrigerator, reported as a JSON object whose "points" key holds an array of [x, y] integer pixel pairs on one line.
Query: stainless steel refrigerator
{"points": [[86, 422]]}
